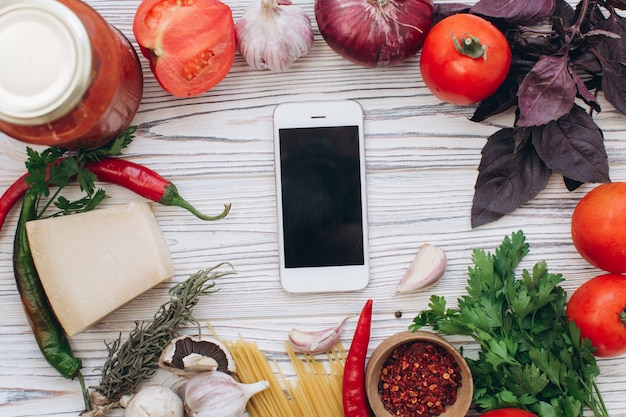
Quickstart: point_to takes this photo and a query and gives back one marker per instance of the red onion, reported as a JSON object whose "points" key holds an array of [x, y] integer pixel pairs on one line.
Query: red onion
{"points": [[374, 33]]}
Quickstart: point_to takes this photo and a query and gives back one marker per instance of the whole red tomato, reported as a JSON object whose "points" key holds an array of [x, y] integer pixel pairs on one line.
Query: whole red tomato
{"points": [[598, 307], [599, 227], [508, 412], [190, 44], [464, 59]]}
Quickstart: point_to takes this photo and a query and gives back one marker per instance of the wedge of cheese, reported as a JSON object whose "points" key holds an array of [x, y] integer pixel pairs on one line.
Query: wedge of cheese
{"points": [[92, 263]]}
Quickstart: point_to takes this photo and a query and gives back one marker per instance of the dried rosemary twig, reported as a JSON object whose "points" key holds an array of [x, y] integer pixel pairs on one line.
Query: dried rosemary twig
{"points": [[131, 362]]}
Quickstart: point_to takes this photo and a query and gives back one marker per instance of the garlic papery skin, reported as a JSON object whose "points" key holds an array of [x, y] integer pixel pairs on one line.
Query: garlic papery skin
{"points": [[217, 394], [318, 341], [272, 34], [153, 401], [427, 268]]}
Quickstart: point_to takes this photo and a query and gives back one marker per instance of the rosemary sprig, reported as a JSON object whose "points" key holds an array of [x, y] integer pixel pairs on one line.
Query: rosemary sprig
{"points": [[131, 362]]}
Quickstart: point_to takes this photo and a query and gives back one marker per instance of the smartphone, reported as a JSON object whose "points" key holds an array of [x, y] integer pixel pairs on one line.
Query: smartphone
{"points": [[321, 198]]}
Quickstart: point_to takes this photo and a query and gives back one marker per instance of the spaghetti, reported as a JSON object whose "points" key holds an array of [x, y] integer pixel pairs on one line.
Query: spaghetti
{"points": [[317, 388]]}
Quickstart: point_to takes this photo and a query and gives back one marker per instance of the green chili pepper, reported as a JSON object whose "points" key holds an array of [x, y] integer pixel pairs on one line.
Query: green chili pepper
{"points": [[48, 331]]}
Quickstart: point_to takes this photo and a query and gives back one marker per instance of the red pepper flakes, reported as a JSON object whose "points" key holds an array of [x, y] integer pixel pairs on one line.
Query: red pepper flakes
{"points": [[419, 379]]}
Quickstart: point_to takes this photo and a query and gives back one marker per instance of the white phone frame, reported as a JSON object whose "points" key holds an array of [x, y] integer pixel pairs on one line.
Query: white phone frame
{"points": [[321, 114]]}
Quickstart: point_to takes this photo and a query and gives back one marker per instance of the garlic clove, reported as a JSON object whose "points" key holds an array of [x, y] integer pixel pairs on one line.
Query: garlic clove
{"points": [[217, 394], [153, 401], [272, 34], [319, 341], [196, 362], [427, 268]]}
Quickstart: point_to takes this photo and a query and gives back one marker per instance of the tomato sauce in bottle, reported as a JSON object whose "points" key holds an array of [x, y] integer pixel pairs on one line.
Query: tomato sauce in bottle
{"points": [[68, 78]]}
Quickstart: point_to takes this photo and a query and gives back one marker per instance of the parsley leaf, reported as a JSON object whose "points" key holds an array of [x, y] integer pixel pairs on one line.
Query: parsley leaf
{"points": [[113, 148], [530, 355], [86, 203], [57, 168]]}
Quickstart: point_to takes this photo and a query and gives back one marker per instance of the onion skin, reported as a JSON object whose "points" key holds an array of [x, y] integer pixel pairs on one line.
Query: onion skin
{"points": [[374, 33]]}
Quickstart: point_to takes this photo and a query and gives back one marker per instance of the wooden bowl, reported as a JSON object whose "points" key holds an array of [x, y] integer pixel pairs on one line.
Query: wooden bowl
{"points": [[382, 352]]}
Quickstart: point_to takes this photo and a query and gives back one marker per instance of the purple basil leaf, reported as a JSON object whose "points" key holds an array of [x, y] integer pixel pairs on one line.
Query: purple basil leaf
{"points": [[564, 11], [522, 136], [533, 46], [585, 94], [516, 11], [618, 4], [503, 99], [593, 16], [547, 92], [574, 147], [443, 10], [612, 55], [506, 179], [588, 63], [613, 46], [500, 143], [571, 184], [614, 86], [602, 33]]}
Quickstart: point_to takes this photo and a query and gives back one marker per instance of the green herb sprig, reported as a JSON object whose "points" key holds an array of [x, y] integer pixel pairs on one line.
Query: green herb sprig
{"points": [[530, 355], [135, 360], [56, 167]]}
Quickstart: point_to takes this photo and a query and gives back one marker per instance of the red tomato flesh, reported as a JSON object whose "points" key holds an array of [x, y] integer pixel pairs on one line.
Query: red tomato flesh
{"points": [[599, 227], [190, 44], [464, 59], [598, 307]]}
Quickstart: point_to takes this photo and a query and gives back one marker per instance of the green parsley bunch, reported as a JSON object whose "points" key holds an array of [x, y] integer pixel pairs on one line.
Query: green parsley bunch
{"points": [[531, 356]]}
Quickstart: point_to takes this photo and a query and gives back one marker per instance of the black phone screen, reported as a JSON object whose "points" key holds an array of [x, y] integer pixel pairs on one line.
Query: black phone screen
{"points": [[322, 209]]}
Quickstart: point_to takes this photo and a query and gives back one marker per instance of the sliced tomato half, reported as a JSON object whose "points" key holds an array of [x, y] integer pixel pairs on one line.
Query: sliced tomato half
{"points": [[190, 43]]}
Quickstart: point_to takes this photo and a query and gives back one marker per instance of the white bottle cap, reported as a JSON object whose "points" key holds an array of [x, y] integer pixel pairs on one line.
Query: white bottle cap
{"points": [[46, 61]]}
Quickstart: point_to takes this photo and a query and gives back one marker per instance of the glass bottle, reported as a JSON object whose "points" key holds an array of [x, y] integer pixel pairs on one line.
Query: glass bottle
{"points": [[67, 77]]}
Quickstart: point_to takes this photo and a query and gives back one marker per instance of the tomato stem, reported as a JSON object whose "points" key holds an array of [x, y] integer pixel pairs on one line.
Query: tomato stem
{"points": [[622, 316], [470, 46]]}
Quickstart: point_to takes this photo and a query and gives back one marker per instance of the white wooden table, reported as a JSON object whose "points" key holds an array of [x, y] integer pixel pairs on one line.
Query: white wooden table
{"points": [[422, 157]]}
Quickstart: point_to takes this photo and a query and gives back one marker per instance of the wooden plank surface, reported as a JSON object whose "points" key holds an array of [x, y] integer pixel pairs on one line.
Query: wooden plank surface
{"points": [[421, 155]]}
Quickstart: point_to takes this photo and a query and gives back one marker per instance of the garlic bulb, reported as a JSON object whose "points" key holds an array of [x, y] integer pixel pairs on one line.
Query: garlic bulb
{"points": [[272, 34], [153, 401], [217, 394]]}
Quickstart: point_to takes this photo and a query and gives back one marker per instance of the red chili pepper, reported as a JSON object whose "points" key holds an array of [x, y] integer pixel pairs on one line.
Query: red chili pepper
{"points": [[355, 402], [146, 183], [11, 196], [137, 178]]}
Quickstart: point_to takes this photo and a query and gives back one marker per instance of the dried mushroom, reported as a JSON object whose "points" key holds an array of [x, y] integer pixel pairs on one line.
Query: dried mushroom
{"points": [[187, 355]]}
